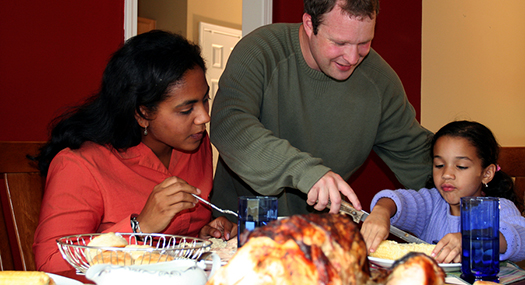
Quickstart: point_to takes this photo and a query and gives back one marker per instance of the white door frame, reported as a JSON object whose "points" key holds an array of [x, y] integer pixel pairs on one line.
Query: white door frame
{"points": [[131, 10], [255, 13]]}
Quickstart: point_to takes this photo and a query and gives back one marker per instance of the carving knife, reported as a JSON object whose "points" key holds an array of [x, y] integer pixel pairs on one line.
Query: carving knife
{"points": [[359, 216]]}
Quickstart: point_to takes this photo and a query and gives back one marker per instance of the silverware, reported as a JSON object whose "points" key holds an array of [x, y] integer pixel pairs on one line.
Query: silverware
{"points": [[215, 207], [360, 216]]}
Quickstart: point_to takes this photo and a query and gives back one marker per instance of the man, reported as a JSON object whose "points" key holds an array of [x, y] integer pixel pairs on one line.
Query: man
{"points": [[300, 107]]}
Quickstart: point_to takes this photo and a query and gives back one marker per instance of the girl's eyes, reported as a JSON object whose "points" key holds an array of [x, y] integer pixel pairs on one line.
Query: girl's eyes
{"points": [[459, 166]]}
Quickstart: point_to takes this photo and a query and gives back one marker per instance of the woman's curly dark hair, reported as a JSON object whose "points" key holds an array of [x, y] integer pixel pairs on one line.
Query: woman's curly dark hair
{"points": [[138, 74]]}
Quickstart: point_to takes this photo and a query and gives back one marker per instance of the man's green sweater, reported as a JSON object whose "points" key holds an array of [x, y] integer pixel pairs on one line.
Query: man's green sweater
{"points": [[280, 125]]}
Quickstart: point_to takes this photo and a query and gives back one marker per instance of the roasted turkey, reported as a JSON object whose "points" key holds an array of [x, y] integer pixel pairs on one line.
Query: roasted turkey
{"points": [[314, 249]]}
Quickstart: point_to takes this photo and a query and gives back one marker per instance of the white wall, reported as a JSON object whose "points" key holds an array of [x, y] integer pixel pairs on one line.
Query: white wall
{"points": [[473, 65]]}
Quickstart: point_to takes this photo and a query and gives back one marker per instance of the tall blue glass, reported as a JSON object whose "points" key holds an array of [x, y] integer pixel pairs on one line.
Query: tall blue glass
{"points": [[480, 238], [254, 211]]}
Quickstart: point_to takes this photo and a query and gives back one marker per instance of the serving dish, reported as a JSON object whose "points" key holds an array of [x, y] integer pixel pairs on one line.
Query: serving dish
{"points": [[61, 280], [180, 272], [159, 248], [387, 263]]}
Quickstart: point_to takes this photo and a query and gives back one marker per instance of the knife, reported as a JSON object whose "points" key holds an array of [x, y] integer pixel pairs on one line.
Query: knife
{"points": [[360, 216]]}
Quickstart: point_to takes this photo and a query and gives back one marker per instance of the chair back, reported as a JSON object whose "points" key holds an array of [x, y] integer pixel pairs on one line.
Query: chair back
{"points": [[512, 161], [21, 199]]}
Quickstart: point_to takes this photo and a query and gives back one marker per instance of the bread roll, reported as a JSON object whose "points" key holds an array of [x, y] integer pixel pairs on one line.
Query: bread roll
{"points": [[25, 277], [108, 240], [104, 240], [152, 257], [135, 253], [112, 257], [389, 249]]}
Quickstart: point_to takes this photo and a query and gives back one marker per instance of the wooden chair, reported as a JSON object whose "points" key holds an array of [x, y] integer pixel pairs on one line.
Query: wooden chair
{"points": [[21, 199], [512, 161]]}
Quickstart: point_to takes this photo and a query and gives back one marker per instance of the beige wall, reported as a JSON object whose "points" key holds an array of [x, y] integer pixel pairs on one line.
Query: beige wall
{"points": [[473, 65], [226, 13], [169, 14], [183, 16]]}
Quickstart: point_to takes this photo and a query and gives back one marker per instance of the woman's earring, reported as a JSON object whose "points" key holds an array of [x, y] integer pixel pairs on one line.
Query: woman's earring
{"points": [[146, 130], [486, 185]]}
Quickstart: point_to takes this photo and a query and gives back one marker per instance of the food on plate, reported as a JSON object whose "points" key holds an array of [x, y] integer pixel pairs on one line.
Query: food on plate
{"points": [[217, 243], [225, 249], [115, 257], [389, 249], [415, 267], [25, 277], [316, 249]]}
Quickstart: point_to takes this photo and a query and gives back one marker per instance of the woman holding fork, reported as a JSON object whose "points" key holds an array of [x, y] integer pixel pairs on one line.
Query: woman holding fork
{"points": [[131, 158]]}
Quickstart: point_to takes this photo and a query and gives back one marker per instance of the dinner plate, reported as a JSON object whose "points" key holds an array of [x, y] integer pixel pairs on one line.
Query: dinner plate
{"points": [[61, 280], [447, 267]]}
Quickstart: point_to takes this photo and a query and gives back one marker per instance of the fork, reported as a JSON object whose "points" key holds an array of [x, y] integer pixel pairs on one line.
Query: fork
{"points": [[215, 207]]}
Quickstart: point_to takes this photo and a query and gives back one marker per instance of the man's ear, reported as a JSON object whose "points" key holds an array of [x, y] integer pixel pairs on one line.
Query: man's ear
{"points": [[488, 173], [140, 119], [307, 24]]}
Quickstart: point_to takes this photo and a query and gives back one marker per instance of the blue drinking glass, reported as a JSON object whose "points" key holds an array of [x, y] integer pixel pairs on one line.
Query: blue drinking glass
{"points": [[480, 238], [254, 211]]}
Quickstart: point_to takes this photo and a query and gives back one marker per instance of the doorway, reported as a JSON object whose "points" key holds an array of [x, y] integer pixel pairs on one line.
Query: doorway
{"points": [[217, 43]]}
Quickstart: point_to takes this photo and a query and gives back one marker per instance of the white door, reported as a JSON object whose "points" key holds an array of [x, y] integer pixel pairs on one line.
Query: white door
{"points": [[217, 43]]}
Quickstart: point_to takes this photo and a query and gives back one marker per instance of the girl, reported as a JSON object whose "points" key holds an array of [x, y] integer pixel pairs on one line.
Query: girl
{"points": [[130, 158], [464, 158]]}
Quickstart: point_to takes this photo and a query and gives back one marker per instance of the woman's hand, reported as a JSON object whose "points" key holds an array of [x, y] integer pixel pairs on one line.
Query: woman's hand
{"points": [[448, 249], [170, 197], [219, 228]]}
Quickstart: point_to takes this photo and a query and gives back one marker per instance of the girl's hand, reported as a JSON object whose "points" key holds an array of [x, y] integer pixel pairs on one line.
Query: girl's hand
{"points": [[375, 229], [170, 197], [219, 228], [448, 249]]}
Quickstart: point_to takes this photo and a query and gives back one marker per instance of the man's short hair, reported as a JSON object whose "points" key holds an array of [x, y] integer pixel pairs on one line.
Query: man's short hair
{"points": [[357, 8]]}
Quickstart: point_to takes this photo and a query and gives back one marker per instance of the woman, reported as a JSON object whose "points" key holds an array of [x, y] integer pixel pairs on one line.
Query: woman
{"points": [[130, 158]]}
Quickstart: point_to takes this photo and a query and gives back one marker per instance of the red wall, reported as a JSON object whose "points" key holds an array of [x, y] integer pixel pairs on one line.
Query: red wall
{"points": [[52, 54], [398, 40]]}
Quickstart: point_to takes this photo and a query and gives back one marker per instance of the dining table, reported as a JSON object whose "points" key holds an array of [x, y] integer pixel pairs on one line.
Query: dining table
{"points": [[82, 278]]}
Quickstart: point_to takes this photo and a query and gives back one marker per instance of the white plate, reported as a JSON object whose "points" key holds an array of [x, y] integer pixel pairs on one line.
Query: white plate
{"points": [[61, 280], [447, 267]]}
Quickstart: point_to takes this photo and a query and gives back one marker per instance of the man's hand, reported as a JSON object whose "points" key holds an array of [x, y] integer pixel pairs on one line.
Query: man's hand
{"points": [[329, 189]]}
